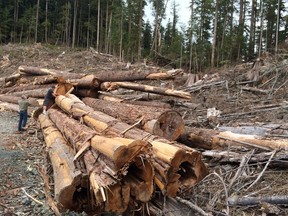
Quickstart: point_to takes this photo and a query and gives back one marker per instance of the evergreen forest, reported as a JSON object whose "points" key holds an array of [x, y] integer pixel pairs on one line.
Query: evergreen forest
{"points": [[218, 33]]}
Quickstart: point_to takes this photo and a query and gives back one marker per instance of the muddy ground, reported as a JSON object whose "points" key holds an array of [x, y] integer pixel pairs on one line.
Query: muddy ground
{"points": [[23, 156]]}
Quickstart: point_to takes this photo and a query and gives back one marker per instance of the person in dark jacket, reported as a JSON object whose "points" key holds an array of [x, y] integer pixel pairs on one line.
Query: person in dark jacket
{"points": [[23, 107], [49, 99]]}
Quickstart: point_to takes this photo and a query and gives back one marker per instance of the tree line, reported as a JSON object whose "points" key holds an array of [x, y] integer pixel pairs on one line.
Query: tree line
{"points": [[218, 33]]}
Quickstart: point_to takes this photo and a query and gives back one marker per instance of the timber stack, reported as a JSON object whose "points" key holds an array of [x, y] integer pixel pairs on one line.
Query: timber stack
{"points": [[123, 153]]}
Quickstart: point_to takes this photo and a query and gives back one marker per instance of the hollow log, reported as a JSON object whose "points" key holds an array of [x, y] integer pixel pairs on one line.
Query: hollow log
{"points": [[174, 168], [15, 99], [162, 122], [114, 76], [123, 157], [67, 179], [145, 88]]}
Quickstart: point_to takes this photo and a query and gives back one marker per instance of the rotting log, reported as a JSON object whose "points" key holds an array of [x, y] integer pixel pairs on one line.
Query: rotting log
{"points": [[108, 192], [122, 156], [15, 99], [180, 170], [36, 71], [145, 88], [162, 122], [67, 179], [132, 75]]}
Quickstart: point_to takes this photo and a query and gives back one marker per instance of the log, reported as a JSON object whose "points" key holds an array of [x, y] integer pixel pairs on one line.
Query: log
{"points": [[36, 71], [47, 79], [124, 157], [181, 167], [162, 122], [132, 75], [89, 81], [250, 140], [15, 99], [13, 78], [140, 103], [13, 107], [85, 92], [248, 201], [145, 88], [35, 93], [23, 87], [108, 192], [67, 178]]}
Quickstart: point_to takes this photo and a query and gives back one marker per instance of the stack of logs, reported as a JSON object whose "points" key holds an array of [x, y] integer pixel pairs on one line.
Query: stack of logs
{"points": [[123, 152]]}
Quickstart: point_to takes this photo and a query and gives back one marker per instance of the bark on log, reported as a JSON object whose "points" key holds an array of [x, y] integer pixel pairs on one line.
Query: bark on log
{"points": [[67, 179], [123, 157], [145, 88], [13, 78], [252, 140], [36, 71], [116, 76], [140, 103], [15, 99], [162, 122], [23, 87], [35, 93], [89, 81], [181, 170], [247, 201], [48, 79]]}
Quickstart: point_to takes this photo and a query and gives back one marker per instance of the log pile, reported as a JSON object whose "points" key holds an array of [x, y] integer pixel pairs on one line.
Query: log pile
{"points": [[112, 151]]}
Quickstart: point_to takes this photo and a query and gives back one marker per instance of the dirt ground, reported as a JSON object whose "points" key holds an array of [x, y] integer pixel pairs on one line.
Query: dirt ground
{"points": [[23, 156]]}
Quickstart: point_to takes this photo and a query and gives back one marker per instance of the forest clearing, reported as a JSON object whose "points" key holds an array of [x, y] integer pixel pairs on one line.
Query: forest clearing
{"points": [[138, 139]]}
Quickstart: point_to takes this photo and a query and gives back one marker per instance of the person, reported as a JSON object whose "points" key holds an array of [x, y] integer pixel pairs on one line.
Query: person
{"points": [[23, 106], [49, 99]]}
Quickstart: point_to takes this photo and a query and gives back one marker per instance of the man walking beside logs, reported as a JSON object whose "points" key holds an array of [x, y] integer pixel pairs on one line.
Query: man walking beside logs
{"points": [[23, 116]]}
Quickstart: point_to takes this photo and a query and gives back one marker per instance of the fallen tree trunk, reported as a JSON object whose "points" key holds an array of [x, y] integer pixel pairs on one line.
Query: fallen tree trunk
{"points": [[47, 79], [36, 71], [145, 88], [35, 93], [162, 122], [123, 157], [23, 87], [116, 76], [13, 107], [177, 166], [67, 179], [89, 81], [135, 102], [248, 201], [15, 99]]}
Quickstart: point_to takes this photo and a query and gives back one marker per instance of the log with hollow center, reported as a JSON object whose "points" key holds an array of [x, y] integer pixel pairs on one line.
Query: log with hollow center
{"points": [[123, 157], [166, 123], [177, 166]]}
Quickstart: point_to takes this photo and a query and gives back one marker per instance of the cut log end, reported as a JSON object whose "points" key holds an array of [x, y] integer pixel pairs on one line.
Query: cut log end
{"points": [[169, 125]]}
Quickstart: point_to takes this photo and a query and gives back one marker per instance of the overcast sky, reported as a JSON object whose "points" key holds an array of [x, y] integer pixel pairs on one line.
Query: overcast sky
{"points": [[183, 12]]}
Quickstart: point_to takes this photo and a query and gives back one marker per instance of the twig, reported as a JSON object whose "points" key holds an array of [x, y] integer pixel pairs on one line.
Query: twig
{"points": [[243, 163], [132, 126], [261, 174], [28, 195], [192, 206]]}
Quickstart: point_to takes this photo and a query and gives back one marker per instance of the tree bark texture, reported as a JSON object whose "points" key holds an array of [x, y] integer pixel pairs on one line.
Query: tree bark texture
{"points": [[145, 88], [162, 122]]}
